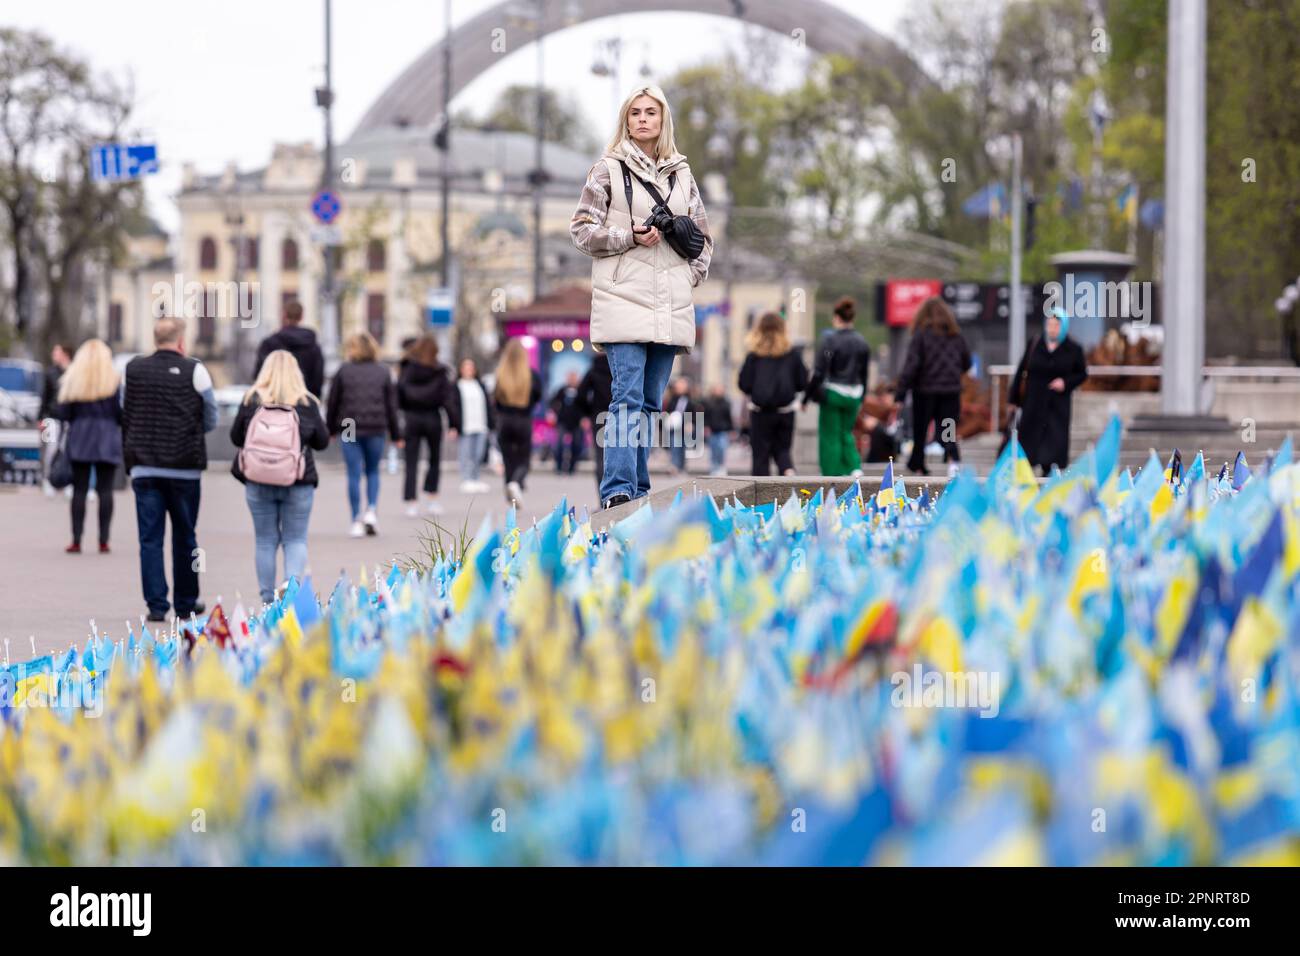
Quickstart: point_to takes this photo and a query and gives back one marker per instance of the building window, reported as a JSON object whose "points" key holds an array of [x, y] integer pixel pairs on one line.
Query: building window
{"points": [[252, 249], [207, 253], [207, 332], [289, 256], [375, 255], [286, 298], [375, 315], [336, 257], [115, 322]]}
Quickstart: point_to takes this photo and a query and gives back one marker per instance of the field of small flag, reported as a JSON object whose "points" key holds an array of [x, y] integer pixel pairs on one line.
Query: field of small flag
{"points": [[1101, 669]]}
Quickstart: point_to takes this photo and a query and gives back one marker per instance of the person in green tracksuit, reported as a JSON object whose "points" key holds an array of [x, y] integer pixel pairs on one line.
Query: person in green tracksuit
{"points": [[839, 384]]}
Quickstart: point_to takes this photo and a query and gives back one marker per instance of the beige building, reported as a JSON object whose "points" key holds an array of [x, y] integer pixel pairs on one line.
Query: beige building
{"points": [[389, 253]]}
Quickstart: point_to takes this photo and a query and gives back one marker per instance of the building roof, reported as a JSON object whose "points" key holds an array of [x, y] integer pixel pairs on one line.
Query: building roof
{"points": [[476, 155], [566, 302]]}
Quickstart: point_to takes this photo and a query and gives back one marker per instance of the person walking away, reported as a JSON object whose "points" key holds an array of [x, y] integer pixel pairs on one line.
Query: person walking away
{"points": [[938, 356], [425, 391], [50, 426], [717, 428], [477, 420], [839, 382], [167, 408], [278, 426], [596, 389], [298, 341], [89, 403], [565, 414], [772, 375], [642, 307], [361, 412], [681, 408], [1052, 367], [517, 392]]}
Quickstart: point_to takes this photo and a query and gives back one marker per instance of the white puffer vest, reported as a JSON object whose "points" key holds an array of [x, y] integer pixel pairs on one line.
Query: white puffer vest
{"points": [[643, 294]]}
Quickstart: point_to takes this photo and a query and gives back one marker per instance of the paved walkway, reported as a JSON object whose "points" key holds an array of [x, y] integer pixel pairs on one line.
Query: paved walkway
{"points": [[51, 595]]}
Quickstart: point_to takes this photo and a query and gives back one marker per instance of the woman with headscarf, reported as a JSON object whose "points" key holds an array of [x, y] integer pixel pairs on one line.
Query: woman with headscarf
{"points": [[1052, 367]]}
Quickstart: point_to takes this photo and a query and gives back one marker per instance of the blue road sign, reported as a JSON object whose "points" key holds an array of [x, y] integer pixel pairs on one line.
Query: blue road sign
{"points": [[439, 306], [326, 206], [114, 162]]}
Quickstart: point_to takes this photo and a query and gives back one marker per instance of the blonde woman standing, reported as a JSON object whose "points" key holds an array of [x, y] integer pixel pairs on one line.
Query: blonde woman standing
{"points": [[90, 404], [642, 311], [280, 511], [516, 394]]}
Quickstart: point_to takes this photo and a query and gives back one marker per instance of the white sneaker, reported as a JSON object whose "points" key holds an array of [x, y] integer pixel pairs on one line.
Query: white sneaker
{"points": [[467, 487], [358, 530], [856, 473], [413, 510], [371, 521], [481, 487], [48, 489], [953, 468], [514, 492], [433, 507]]}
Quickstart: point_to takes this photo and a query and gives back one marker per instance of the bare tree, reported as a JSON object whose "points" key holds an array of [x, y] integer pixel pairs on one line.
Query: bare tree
{"points": [[53, 110]]}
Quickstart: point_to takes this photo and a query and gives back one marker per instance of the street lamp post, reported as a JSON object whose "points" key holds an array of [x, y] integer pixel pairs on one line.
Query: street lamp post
{"points": [[329, 301], [235, 225]]}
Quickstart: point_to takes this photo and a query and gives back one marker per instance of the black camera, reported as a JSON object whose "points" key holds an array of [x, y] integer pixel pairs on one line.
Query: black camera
{"points": [[661, 218]]}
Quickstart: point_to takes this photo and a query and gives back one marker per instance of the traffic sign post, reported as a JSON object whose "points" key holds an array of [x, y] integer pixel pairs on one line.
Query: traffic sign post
{"points": [[116, 162], [326, 206], [439, 307]]}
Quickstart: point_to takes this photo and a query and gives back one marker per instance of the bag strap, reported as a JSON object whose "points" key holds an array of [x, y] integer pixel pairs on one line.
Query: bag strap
{"points": [[627, 189], [654, 193]]}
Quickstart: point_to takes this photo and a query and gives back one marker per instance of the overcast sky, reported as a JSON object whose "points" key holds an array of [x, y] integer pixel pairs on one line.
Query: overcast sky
{"points": [[221, 80]]}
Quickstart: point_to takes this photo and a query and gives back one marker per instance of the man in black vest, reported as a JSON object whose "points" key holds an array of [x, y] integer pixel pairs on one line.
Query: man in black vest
{"points": [[167, 406]]}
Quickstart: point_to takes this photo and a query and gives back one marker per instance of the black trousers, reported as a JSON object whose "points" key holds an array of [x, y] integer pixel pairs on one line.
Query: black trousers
{"points": [[770, 436], [944, 409], [515, 436], [104, 472], [422, 428]]}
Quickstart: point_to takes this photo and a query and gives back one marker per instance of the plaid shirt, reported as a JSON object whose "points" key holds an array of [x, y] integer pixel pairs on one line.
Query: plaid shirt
{"points": [[592, 236]]}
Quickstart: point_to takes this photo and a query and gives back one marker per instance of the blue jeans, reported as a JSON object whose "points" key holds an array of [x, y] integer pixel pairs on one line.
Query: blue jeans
{"points": [[469, 450], [363, 454], [718, 442], [280, 516], [640, 373], [156, 500]]}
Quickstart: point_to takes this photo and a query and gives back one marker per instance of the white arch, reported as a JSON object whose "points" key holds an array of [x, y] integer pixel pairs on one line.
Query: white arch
{"points": [[415, 97]]}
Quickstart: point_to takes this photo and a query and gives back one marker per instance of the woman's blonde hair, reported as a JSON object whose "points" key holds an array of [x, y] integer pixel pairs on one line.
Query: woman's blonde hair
{"points": [[666, 145], [360, 347], [280, 381], [514, 376], [768, 337], [91, 375]]}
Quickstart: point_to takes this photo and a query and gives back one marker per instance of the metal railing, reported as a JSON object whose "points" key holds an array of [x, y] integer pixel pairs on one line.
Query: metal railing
{"points": [[1284, 373]]}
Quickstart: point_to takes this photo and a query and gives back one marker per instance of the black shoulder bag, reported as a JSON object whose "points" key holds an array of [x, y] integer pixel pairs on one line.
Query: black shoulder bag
{"points": [[681, 232]]}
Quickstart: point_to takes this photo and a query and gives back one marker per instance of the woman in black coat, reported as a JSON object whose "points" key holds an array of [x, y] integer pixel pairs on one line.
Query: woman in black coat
{"points": [[90, 403], [1053, 366], [361, 411], [425, 390], [772, 376], [937, 359]]}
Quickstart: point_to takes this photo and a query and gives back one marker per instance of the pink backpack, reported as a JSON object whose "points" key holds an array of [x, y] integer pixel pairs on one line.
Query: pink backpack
{"points": [[272, 452]]}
